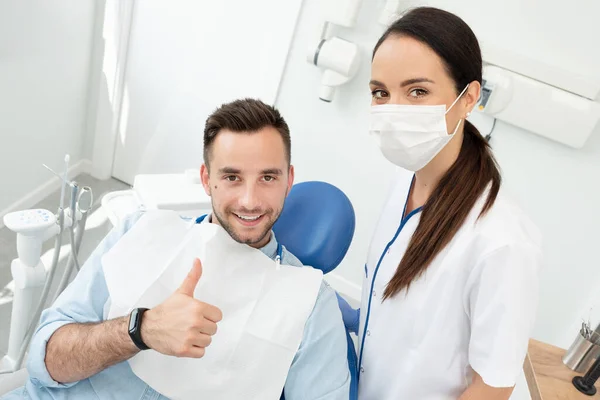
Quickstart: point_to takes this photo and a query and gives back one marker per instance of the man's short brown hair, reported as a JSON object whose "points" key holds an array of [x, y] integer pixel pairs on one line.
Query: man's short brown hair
{"points": [[245, 116]]}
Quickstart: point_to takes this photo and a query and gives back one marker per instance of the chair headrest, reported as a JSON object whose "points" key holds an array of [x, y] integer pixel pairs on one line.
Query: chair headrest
{"points": [[316, 224]]}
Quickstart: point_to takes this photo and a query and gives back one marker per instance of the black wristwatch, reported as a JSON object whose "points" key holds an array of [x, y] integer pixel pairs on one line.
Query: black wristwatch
{"points": [[135, 328]]}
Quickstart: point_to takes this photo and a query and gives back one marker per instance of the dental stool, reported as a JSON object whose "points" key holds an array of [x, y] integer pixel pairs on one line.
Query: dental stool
{"points": [[317, 226]]}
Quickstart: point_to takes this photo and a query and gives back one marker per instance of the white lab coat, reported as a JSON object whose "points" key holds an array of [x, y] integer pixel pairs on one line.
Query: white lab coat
{"points": [[472, 309]]}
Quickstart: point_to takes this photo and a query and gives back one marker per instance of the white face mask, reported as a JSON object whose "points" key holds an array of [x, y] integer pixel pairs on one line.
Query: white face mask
{"points": [[411, 136]]}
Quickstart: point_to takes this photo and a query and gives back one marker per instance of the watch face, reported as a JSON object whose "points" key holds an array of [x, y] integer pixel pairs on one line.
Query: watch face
{"points": [[133, 320]]}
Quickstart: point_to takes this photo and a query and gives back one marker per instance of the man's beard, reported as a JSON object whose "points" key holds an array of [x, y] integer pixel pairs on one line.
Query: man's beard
{"points": [[269, 214]]}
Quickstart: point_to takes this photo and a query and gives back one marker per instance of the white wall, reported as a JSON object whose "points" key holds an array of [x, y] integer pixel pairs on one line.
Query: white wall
{"points": [[183, 60], [96, 79], [44, 61], [558, 187]]}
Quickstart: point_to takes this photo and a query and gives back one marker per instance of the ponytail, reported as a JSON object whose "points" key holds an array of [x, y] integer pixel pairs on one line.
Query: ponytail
{"points": [[448, 207]]}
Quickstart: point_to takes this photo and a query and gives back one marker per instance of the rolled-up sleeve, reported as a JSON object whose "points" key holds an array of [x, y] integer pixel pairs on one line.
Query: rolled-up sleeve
{"points": [[81, 302], [502, 302], [320, 368]]}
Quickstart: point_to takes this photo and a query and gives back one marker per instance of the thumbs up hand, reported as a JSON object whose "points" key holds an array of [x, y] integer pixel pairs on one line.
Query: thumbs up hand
{"points": [[182, 326]]}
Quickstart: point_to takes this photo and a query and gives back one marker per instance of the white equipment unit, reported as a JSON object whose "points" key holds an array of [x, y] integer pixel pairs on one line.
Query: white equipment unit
{"points": [[32, 278], [338, 58], [33, 228], [538, 107], [183, 193], [582, 85]]}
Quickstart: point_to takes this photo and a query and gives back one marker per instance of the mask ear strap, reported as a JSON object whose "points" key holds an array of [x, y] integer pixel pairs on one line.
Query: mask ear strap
{"points": [[457, 125], [458, 98]]}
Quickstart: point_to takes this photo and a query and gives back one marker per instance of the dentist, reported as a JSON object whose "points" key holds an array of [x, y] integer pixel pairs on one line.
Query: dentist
{"points": [[450, 283]]}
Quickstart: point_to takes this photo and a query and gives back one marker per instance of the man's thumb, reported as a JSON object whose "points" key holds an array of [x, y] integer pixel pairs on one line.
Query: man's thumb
{"points": [[191, 280]]}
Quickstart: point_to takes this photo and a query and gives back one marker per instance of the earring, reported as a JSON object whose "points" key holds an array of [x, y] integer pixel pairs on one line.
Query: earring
{"points": [[468, 113]]}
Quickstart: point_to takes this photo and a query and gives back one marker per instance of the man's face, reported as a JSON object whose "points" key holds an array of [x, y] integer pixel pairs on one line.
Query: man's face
{"points": [[248, 181]]}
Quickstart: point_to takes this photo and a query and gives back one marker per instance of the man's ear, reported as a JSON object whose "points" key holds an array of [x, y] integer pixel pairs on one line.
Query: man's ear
{"points": [[290, 178], [205, 178]]}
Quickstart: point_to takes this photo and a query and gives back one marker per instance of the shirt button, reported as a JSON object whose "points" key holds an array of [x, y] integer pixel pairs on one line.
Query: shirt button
{"points": [[362, 370], [368, 333], [374, 293]]}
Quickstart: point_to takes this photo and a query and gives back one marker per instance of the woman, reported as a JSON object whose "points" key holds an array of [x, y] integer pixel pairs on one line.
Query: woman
{"points": [[450, 287]]}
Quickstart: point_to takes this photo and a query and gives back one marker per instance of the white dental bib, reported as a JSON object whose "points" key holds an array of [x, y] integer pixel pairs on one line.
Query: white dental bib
{"points": [[264, 308]]}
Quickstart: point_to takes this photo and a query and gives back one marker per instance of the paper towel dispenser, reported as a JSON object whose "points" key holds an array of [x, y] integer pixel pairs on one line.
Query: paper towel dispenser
{"points": [[537, 107]]}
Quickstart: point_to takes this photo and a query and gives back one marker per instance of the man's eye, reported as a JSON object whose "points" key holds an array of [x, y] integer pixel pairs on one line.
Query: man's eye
{"points": [[231, 178], [269, 178]]}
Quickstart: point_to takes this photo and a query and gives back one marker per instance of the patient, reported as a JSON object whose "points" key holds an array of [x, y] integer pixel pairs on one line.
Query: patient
{"points": [[77, 354]]}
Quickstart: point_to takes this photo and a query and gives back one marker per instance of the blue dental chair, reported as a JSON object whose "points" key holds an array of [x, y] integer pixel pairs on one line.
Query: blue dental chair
{"points": [[320, 237]]}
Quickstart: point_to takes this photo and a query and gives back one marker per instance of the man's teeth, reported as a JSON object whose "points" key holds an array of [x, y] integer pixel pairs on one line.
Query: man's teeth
{"points": [[247, 218]]}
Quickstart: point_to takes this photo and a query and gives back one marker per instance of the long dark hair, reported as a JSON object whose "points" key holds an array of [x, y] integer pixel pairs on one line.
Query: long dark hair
{"points": [[475, 168]]}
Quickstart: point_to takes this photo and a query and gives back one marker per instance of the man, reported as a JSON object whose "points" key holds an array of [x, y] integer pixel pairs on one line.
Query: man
{"points": [[77, 353]]}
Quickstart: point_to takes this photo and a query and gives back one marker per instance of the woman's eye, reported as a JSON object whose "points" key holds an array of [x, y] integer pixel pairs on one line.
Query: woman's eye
{"points": [[379, 94], [418, 92]]}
